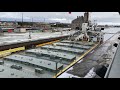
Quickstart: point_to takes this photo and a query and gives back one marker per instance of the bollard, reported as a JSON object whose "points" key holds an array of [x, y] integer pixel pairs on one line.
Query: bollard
{"points": [[115, 44]]}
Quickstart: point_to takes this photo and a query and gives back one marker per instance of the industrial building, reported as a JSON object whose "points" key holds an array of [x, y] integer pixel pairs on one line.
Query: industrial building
{"points": [[77, 23], [20, 30], [43, 26]]}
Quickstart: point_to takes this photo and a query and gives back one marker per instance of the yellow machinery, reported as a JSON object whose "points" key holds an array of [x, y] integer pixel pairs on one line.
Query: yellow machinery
{"points": [[46, 43], [8, 52]]}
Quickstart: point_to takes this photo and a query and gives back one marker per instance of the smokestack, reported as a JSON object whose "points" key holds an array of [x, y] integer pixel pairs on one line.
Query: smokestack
{"points": [[86, 17]]}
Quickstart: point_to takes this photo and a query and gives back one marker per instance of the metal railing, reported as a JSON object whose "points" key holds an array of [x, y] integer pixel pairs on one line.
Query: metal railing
{"points": [[110, 66]]}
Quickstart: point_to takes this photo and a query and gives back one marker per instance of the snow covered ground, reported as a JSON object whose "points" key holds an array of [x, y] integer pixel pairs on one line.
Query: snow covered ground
{"points": [[19, 37]]}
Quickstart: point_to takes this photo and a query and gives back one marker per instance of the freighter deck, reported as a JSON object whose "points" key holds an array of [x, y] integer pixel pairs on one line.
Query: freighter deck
{"points": [[50, 58]]}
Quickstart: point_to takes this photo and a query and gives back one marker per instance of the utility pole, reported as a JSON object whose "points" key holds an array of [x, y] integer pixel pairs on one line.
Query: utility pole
{"points": [[44, 19], [32, 20], [29, 35], [22, 19], [15, 24]]}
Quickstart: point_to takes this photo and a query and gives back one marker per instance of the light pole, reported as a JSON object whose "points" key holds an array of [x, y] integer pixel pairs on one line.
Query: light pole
{"points": [[29, 35], [32, 19], [22, 19], [32, 22], [44, 19]]}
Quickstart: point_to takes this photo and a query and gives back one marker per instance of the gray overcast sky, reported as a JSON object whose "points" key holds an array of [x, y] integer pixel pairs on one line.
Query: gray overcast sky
{"points": [[65, 17]]}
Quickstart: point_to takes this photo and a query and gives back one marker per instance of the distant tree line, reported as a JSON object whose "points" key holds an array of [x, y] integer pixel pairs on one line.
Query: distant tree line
{"points": [[25, 23], [60, 25]]}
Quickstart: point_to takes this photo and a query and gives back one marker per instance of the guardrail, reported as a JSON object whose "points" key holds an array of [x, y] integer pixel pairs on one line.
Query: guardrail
{"points": [[110, 66]]}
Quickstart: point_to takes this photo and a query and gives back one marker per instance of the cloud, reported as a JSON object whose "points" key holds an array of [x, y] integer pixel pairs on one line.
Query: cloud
{"points": [[14, 15], [58, 19], [65, 17]]}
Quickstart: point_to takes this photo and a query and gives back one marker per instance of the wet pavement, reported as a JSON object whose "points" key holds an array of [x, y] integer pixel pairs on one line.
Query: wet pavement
{"points": [[9, 38]]}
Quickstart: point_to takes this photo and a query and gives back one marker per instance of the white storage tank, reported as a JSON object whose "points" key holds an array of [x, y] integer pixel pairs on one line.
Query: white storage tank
{"points": [[22, 29]]}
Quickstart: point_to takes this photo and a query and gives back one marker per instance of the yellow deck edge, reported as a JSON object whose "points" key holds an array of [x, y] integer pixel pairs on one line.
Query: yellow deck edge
{"points": [[75, 61], [39, 45]]}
